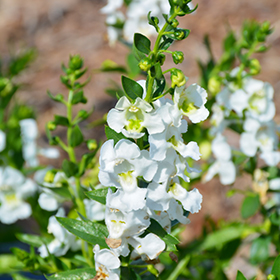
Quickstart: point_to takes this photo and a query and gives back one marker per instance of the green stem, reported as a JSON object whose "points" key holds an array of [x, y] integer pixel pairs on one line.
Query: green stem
{"points": [[179, 268], [155, 52]]}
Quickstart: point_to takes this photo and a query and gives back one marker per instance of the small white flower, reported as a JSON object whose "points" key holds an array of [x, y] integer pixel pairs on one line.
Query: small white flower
{"points": [[107, 264], [191, 102], [63, 240], [223, 164], [14, 189]]}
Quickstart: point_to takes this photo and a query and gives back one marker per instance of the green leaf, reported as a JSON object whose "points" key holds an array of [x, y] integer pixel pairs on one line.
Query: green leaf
{"points": [[98, 195], [224, 235], [131, 88], [91, 232], [153, 20], [165, 43], [69, 168], [76, 137], [127, 273], [30, 239], [229, 41], [112, 134], [250, 206], [170, 240], [275, 219], [260, 249], [240, 276], [85, 161], [132, 63], [111, 66], [156, 71], [142, 43], [60, 120], [76, 274], [276, 267], [79, 98], [21, 62], [57, 98], [8, 263]]}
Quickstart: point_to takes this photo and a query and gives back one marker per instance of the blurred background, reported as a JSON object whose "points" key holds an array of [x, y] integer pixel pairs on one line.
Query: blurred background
{"points": [[58, 28]]}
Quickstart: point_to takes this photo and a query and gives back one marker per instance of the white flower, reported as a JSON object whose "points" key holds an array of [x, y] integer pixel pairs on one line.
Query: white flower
{"points": [[112, 6], [2, 140], [63, 240], [95, 210], [223, 165], [148, 247], [14, 189], [131, 119], [260, 135], [29, 134], [255, 96], [107, 264], [191, 102], [159, 196]]}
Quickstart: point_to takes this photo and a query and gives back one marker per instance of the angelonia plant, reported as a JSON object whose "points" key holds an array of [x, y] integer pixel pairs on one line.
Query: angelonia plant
{"points": [[120, 216], [18, 149]]}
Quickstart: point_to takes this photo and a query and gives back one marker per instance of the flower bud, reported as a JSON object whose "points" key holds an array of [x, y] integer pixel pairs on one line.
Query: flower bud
{"points": [[174, 23], [83, 114], [178, 57], [49, 177], [75, 62], [254, 66], [152, 269], [179, 34], [51, 125], [145, 64], [205, 149], [214, 85], [178, 78], [92, 144], [271, 277]]}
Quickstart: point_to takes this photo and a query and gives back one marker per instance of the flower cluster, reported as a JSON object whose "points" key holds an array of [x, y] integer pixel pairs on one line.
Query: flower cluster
{"points": [[251, 107], [147, 173], [134, 20]]}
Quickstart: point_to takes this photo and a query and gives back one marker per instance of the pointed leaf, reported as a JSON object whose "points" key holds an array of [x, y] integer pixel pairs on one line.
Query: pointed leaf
{"points": [[276, 267], [76, 137], [98, 195], [142, 43], [91, 232], [76, 274], [131, 88], [240, 276], [250, 206], [112, 134]]}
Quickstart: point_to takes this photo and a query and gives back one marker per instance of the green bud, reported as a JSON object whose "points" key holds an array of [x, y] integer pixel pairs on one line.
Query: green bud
{"points": [[145, 64], [152, 269], [75, 62], [214, 85], [51, 125], [49, 177], [83, 114], [161, 58], [179, 35], [265, 27], [5, 87], [174, 23], [254, 66], [178, 78], [271, 277], [92, 144], [178, 57], [156, 20]]}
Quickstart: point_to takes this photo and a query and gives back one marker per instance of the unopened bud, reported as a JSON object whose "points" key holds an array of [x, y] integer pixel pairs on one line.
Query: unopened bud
{"points": [[75, 62], [145, 64], [214, 85], [92, 144], [49, 177], [152, 269], [174, 23], [51, 125], [83, 114], [254, 66], [178, 78], [178, 57], [179, 35], [271, 277], [5, 86]]}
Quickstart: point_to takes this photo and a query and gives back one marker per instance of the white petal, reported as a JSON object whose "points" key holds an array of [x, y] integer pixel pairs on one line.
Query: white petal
{"points": [[248, 144], [227, 173], [116, 120]]}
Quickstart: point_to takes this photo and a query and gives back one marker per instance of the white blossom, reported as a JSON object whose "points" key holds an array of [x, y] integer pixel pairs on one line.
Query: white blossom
{"points": [[14, 189]]}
